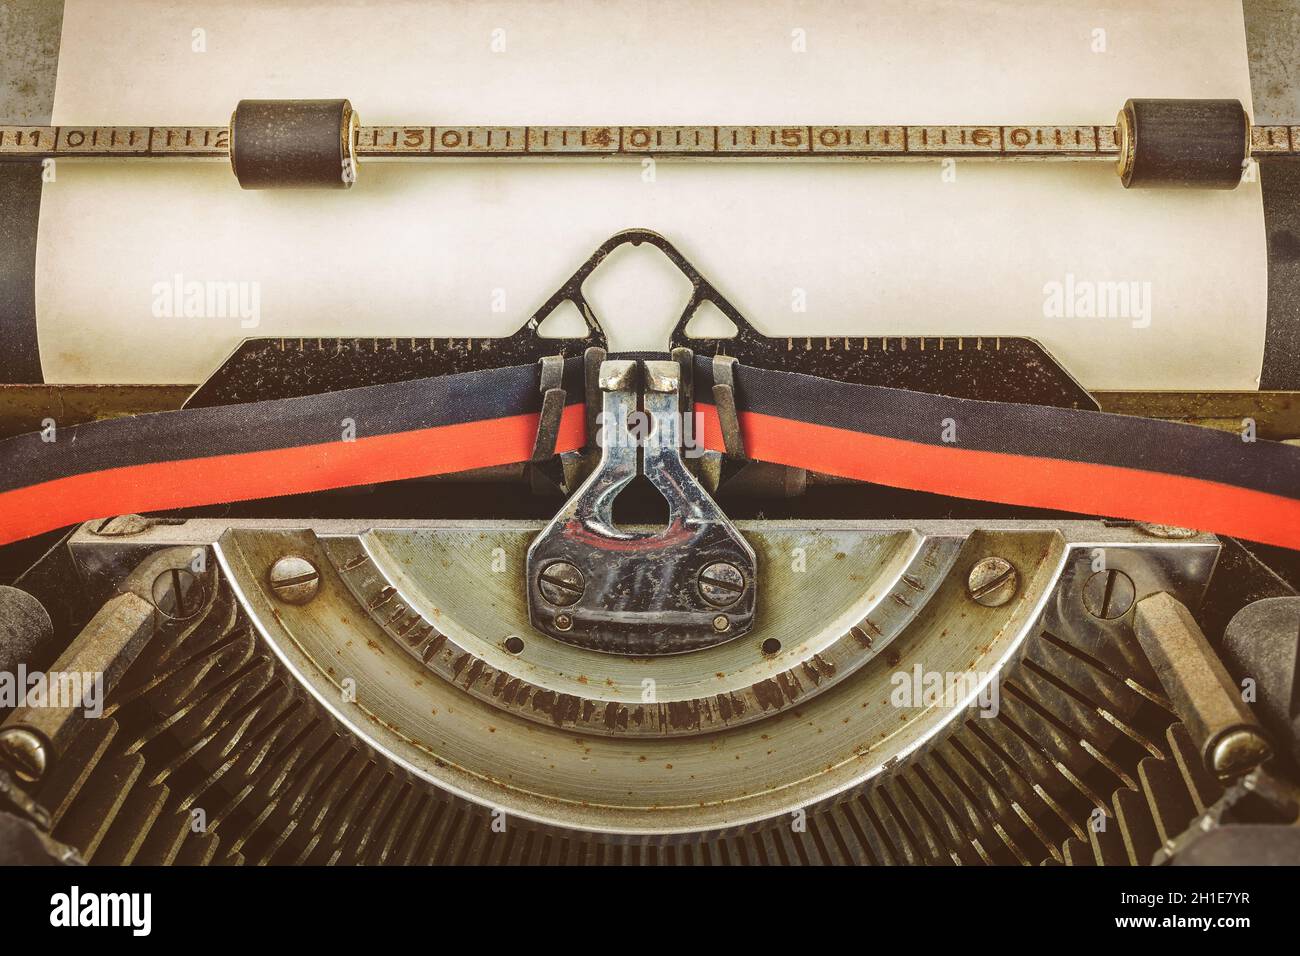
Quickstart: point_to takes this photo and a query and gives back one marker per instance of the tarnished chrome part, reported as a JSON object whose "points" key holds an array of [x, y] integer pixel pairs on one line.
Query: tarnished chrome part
{"points": [[837, 741], [638, 591], [724, 400], [24, 752], [554, 398]]}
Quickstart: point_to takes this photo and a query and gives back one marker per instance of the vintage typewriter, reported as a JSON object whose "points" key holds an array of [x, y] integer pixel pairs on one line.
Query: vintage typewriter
{"points": [[741, 599]]}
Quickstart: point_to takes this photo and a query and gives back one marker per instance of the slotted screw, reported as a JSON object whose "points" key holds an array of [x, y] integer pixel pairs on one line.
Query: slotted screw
{"points": [[294, 580], [992, 582], [561, 583], [1108, 594], [177, 593], [721, 584]]}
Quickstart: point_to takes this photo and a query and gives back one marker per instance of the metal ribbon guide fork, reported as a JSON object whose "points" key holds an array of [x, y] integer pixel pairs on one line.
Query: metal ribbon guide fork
{"points": [[689, 585]]}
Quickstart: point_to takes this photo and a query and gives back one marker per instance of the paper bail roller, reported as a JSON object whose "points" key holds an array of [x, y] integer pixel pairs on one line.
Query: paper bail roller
{"points": [[294, 144], [315, 143], [1200, 144]]}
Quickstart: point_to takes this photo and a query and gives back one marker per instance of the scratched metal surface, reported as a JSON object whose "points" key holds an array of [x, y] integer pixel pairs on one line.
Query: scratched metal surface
{"points": [[29, 59], [29, 52], [1273, 43]]}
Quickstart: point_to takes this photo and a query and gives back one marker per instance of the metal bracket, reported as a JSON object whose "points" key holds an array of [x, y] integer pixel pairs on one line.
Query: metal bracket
{"points": [[553, 399], [724, 399], [683, 587]]}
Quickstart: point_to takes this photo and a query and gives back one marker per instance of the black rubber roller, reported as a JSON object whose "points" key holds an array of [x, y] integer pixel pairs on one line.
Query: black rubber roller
{"points": [[26, 633], [293, 144], [1194, 144]]}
